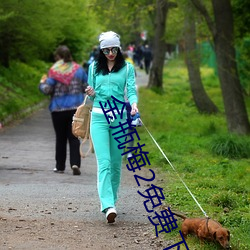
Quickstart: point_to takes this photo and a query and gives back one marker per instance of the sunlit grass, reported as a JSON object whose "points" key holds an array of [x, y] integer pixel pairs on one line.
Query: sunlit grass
{"points": [[219, 182]]}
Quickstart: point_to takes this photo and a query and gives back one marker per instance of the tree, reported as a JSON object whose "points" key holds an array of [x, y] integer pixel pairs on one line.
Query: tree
{"points": [[241, 17], [242, 33], [159, 44], [201, 99], [23, 33], [128, 18], [223, 38], [28, 33]]}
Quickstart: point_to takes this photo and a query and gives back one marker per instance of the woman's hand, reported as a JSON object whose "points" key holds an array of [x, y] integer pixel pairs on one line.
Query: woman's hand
{"points": [[43, 79], [134, 109], [90, 91]]}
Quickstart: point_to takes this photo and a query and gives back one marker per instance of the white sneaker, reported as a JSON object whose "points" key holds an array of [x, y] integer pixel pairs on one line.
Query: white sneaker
{"points": [[111, 215], [58, 171], [76, 170], [129, 155]]}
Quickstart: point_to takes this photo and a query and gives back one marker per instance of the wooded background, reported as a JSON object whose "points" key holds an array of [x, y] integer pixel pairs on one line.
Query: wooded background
{"points": [[31, 30]]}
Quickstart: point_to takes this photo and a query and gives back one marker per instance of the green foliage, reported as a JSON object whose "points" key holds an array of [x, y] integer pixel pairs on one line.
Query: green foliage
{"points": [[224, 200], [175, 25], [241, 17], [219, 183], [128, 18], [19, 87], [176, 19], [231, 146], [28, 33], [243, 59]]}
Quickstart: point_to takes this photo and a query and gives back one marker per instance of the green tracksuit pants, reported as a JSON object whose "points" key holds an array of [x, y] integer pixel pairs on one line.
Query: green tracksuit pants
{"points": [[109, 158]]}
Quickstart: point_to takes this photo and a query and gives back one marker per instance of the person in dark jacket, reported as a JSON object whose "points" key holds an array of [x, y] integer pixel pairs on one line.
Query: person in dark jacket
{"points": [[147, 54]]}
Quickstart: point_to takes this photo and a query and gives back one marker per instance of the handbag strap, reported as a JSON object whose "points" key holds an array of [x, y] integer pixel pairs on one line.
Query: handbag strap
{"points": [[85, 99], [85, 139], [90, 149]]}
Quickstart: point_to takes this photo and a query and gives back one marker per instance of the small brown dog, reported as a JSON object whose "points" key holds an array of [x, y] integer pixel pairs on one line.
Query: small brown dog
{"points": [[205, 229]]}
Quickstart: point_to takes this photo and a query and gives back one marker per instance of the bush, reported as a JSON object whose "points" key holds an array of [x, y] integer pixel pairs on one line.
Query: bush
{"points": [[19, 88], [224, 200], [231, 146]]}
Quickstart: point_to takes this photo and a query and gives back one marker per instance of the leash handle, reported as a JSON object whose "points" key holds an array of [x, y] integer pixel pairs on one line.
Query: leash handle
{"points": [[174, 170]]}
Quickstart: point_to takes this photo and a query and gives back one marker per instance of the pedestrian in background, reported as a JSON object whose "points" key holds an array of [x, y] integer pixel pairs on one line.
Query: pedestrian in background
{"points": [[92, 57], [66, 83], [147, 54], [108, 76], [138, 52]]}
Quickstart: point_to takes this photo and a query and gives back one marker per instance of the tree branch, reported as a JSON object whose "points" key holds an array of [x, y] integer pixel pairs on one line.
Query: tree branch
{"points": [[172, 5], [202, 9]]}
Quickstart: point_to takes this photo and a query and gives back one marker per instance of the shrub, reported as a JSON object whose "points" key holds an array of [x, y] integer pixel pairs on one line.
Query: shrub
{"points": [[224, 200], [231, 146]]}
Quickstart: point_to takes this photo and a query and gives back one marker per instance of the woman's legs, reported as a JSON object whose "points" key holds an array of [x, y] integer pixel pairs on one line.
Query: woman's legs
{"points": [[116, 164], [109, 160], [62, 125], [61, 139], [74, 143]]}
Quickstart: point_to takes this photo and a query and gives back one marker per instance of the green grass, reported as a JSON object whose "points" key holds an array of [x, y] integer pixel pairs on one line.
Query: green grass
{"points": [[19, 88], [214, 164]]}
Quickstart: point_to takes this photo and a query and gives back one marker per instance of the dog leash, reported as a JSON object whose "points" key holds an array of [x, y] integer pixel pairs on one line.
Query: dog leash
{"points": [[175, 170]]}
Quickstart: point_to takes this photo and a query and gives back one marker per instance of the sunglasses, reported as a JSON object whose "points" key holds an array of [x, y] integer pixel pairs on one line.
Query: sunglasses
{"points": [[106, 51]]}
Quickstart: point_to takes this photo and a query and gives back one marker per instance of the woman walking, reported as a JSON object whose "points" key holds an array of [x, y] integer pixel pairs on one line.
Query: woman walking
{"points": [[109, 76], [65, 84]]}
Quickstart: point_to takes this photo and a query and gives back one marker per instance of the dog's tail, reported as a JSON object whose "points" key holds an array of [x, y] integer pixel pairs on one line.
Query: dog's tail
{"points": [[178, 214]]}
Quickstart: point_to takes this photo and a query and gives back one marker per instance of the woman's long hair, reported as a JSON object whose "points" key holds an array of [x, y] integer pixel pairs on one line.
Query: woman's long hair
{"points": [[102, 66]]}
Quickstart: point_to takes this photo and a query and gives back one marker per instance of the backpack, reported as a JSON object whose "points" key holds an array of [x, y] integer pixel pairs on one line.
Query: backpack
{"points": [[81, 126]]}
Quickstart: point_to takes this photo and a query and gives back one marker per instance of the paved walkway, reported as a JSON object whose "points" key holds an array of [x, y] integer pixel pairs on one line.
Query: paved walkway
{"points": [[26, 164], [141, 78], [27, 157], [30, 190]]}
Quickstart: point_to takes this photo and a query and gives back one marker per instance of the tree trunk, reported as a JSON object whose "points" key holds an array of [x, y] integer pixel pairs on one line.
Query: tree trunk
{"points": [[201, 99], [223, 38], [159, 46], [233, 97]]}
